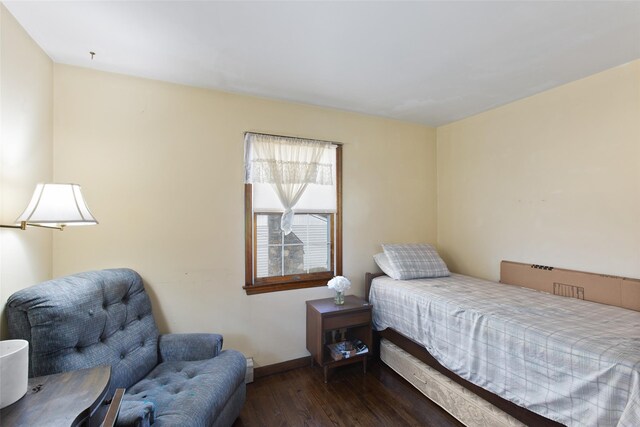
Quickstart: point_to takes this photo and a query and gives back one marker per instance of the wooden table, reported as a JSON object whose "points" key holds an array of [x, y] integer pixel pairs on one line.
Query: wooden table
{"points": [[324, 316], [66, 399]]}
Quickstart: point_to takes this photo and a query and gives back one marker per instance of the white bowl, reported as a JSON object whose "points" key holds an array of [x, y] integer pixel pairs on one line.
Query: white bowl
{"points": [[14, 370]]}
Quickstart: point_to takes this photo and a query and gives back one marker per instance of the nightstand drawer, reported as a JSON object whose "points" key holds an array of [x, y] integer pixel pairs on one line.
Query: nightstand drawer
{"points": [[346, 320]]}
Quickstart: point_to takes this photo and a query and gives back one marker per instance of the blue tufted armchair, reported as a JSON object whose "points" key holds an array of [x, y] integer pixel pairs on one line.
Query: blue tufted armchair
{"points": [[104, 318]]}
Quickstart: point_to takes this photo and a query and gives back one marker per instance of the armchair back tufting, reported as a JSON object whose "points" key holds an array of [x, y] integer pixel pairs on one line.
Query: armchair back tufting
{"points": [[85, 320]]}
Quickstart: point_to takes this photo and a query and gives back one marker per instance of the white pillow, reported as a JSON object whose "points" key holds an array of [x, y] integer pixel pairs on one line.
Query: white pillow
{"points": [[384, 264], [414, 261]]}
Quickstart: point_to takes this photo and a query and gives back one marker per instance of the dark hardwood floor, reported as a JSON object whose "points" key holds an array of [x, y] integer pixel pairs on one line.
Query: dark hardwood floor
{"points": [[301, 398]]}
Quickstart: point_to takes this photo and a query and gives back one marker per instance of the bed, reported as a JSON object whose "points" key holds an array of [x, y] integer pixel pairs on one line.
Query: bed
{"points": [[541, 358]]}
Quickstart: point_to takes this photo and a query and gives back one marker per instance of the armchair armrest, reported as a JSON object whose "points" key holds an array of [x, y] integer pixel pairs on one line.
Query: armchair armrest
{"points": [[172, 347]]}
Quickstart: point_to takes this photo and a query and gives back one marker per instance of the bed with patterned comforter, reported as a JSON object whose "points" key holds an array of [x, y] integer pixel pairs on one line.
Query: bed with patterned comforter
{"points": [[572, 361]]}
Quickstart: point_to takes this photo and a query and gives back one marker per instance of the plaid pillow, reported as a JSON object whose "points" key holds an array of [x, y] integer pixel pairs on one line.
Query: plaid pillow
{"points": [[415, 261]]}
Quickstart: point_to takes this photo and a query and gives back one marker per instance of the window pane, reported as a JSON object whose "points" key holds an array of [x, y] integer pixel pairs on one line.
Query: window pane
{"points": [[262, 249], [297, 230], [275, 234], [275, 261], [307, 249], [294, 259]]}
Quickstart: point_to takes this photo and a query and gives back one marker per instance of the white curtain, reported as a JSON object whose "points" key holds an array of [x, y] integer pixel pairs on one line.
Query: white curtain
{"points": [[289, 165]]}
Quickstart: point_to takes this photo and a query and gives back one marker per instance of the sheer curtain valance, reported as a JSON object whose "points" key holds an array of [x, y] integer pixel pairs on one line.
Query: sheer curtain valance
{"points": [[299, 172]]}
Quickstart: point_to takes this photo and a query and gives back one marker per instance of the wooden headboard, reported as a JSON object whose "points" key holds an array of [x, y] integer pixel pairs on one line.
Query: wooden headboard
{"points": [[368, 277], [613, 290]]}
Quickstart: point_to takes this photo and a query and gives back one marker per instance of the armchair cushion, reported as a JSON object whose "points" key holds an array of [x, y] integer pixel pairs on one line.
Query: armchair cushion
{"points": [[175, 347], [191, 393], [136, 413]]}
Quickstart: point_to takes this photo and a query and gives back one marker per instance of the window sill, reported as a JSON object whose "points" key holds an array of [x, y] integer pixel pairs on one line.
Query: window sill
{"points": [[277, 287]]}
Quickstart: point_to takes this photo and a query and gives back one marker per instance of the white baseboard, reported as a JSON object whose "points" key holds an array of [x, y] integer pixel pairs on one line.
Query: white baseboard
{"points": [[248, 378]]}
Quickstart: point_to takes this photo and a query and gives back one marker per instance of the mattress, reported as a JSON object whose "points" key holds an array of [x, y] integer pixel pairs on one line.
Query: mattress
{"points": [[572, 361]]}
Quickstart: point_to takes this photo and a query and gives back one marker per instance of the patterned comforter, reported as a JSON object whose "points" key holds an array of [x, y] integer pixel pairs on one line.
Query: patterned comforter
{"points": [[570, 360]]}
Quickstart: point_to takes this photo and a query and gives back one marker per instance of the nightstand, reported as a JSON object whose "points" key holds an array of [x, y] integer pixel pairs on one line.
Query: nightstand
{"points": [[324, 317]]}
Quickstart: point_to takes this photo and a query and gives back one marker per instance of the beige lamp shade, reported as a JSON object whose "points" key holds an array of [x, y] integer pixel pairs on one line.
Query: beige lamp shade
{"points": [[57, 205]]}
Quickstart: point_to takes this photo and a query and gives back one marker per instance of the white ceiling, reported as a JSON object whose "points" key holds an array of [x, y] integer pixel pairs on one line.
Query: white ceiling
{"points": [[426, 62]]}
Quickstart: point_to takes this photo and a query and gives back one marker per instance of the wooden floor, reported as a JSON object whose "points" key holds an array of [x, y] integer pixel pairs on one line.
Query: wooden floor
{"points": [[301, 398]]}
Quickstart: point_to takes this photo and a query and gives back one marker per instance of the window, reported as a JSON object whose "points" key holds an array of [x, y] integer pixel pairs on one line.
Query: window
{"points": [[307, 249], [293, 222]]}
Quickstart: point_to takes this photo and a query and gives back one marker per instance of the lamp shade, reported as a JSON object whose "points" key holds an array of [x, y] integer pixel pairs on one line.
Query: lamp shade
{"points": [[57, 205]]}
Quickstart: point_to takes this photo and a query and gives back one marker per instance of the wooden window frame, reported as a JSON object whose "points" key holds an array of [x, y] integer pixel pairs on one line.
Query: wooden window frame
{"points": [[297, 281]]}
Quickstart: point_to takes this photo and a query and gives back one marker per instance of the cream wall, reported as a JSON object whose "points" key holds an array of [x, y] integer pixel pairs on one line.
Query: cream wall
{"points": [[553, 179], [26, 153], [161, 167]]}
